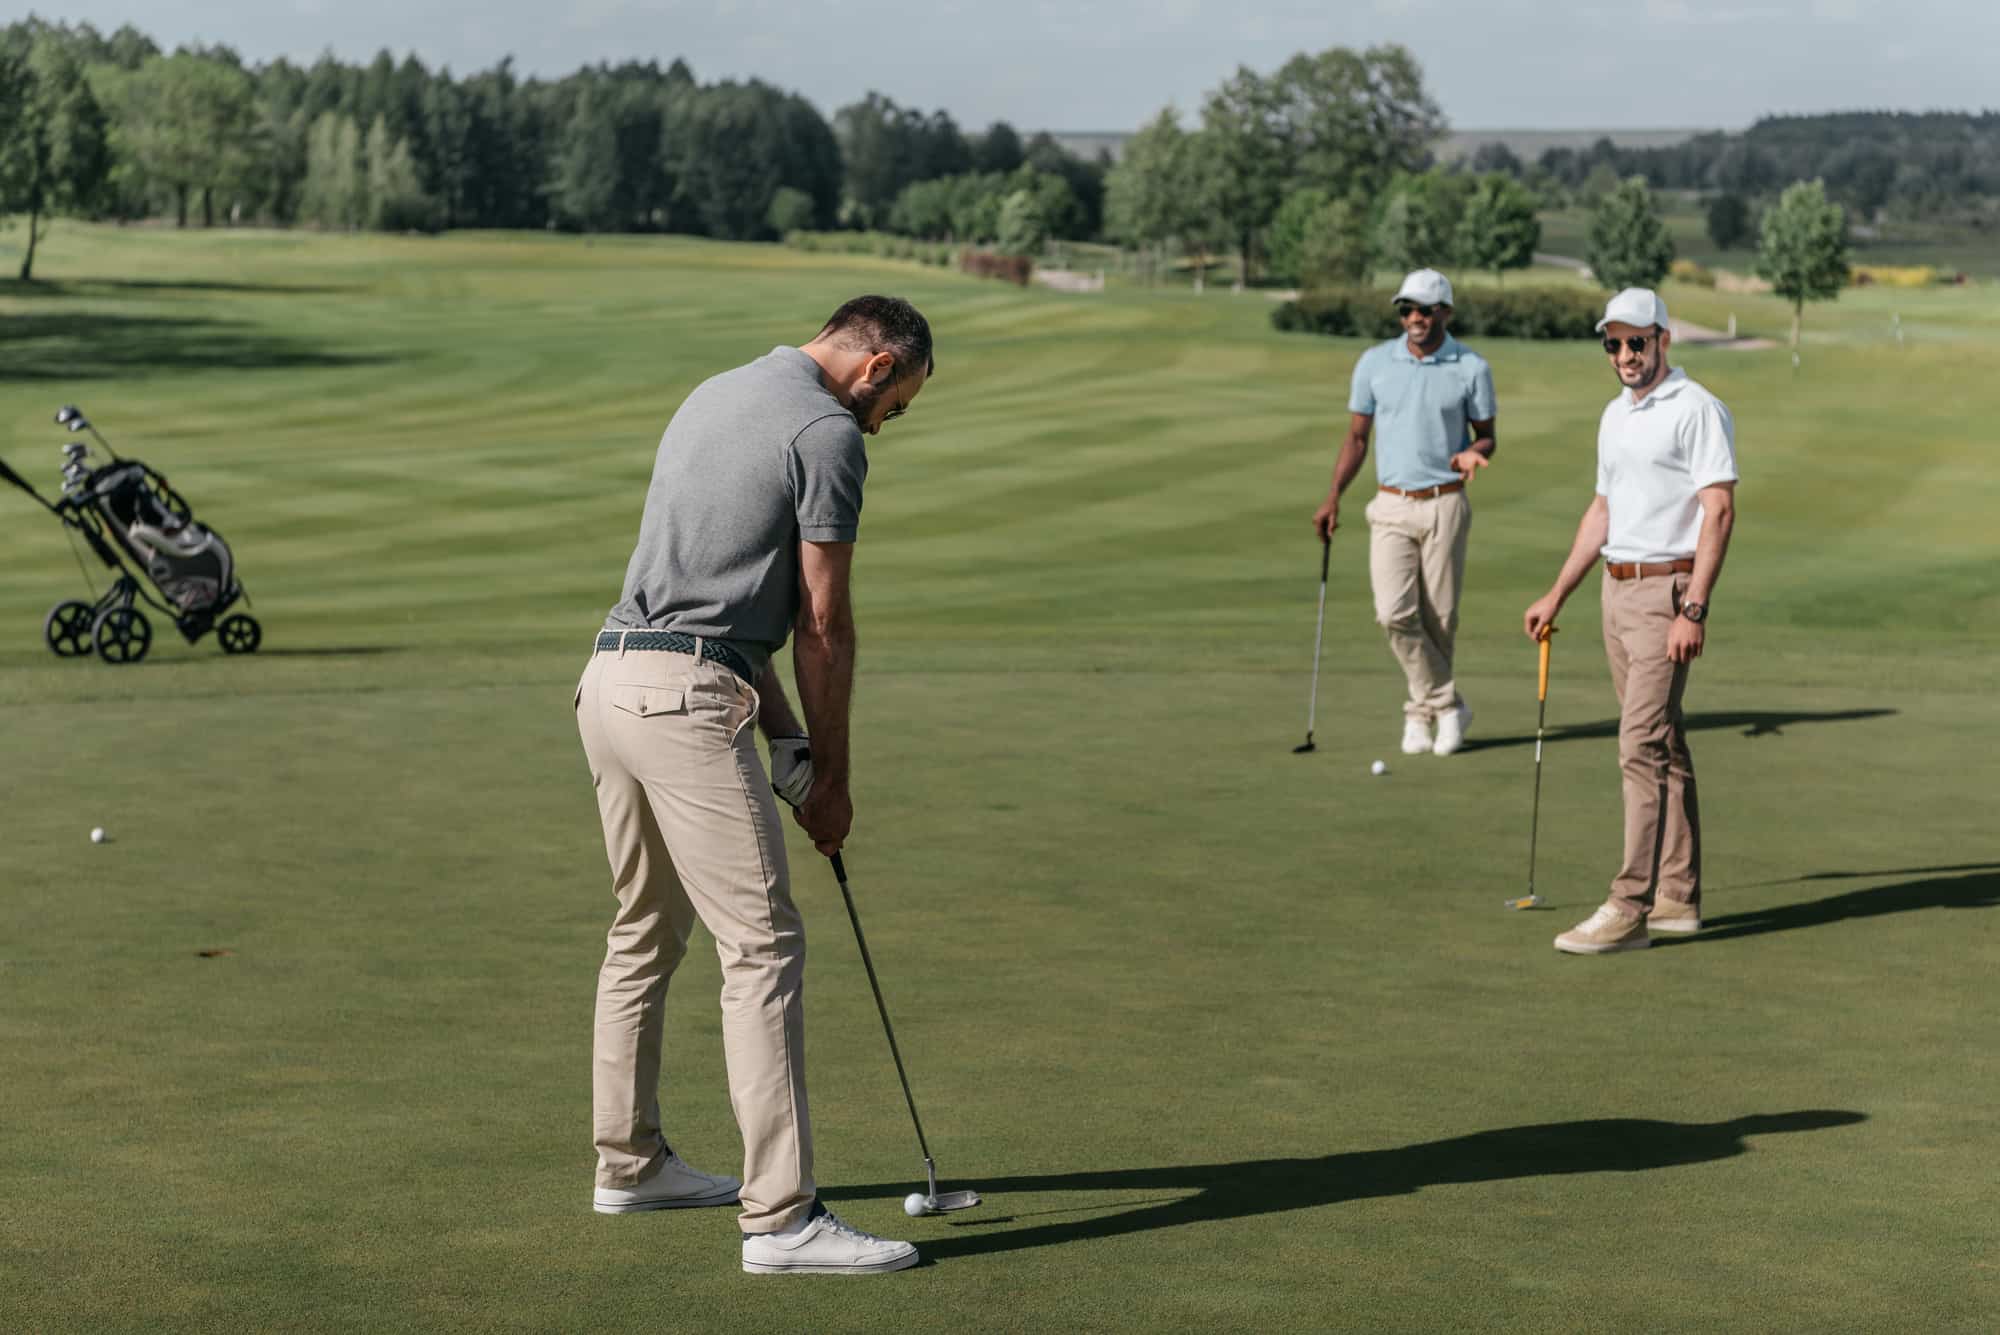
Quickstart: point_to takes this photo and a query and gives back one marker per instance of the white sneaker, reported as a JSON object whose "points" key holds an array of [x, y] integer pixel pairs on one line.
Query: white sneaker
{"points": [[1416, 737], [825, 1246], [1604, 932], [1451, 729], [675, 1187]]}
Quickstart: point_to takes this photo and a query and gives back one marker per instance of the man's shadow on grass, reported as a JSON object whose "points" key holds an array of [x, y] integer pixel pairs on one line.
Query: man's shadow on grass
{"points": [[1273, 1186], [1979, 890], [1754, 723]]}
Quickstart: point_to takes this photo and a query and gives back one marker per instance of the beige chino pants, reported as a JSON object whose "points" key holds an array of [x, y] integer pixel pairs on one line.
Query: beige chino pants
{"points": [[692, 830], [1416, 566], [1662, 816]]}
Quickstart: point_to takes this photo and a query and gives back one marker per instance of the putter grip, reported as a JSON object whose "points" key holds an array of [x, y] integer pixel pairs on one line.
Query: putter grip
{"points": [[1542, 681], [840, 868]]}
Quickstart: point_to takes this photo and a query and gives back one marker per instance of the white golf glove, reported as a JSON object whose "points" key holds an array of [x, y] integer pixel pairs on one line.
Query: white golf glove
{"points": [[791, 768]]}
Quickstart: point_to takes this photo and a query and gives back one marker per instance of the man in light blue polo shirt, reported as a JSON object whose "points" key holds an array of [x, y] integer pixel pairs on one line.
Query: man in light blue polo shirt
{"points": [[1434, 399]]}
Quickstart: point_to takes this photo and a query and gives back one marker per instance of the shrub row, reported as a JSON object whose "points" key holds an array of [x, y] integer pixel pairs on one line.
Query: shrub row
{"points": [[1892, 275], [882, 245], [1687, 271], [1522, 312], [1016, 269]]}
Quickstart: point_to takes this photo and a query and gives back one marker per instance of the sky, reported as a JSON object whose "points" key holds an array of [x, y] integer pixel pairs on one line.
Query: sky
{"points": [[1110, 65]]}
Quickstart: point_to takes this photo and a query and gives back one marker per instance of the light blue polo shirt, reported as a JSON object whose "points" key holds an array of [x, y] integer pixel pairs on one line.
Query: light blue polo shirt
{"points": [[1421, 407]]}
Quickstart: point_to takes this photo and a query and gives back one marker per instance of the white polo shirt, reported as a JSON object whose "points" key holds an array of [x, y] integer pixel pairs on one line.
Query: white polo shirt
{"points": [[1652, 457]]}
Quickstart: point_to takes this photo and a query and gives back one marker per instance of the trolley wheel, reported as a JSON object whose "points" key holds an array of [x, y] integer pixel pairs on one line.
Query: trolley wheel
{"points": [[239, 634], [67, 628], [123, 635]]}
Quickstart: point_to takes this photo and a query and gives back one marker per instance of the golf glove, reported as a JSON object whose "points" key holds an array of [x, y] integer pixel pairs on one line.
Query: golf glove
{"points": [[791, 768]]}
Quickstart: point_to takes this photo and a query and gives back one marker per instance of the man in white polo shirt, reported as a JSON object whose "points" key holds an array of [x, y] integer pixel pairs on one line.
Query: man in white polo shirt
{"points": [[1433, 398], [1665, 506]]}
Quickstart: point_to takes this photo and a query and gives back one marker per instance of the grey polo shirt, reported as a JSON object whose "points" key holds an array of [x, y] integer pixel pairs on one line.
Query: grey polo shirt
{"points": [[756, 460]]}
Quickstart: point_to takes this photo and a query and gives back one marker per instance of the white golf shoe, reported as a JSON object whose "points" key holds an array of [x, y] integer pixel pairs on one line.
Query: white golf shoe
{"points": [[1604, 932], [675, 1187], [825, 1246], [1416, 737], [1451, 729]]}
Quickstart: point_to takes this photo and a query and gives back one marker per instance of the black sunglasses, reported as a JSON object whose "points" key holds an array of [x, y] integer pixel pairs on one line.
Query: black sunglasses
{"points": [[1406, 309], [1633, 343]]}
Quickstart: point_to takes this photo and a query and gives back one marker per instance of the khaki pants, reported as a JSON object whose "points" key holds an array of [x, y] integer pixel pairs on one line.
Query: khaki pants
{"points": [[1662, 817], [1416, 565], [692, 829]]}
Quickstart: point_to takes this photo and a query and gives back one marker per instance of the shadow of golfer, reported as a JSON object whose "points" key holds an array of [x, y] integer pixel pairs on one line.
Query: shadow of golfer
{"points": [[1978, 891], [1271, 1186], [1869, 875], [1754, 723]]}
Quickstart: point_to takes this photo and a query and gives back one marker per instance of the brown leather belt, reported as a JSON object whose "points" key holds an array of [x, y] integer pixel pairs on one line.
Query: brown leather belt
{"points": [[1635, 569], [1428, 492]]}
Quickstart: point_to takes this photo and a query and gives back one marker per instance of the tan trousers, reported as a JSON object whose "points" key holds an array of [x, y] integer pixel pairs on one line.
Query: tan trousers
{"points": [[692, 829], [1662, 817], [1416, 565]]}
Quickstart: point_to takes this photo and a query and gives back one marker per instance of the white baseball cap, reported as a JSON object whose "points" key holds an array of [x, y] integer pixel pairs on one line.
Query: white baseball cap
{"points": [[1640, 307], [1426, 287]]}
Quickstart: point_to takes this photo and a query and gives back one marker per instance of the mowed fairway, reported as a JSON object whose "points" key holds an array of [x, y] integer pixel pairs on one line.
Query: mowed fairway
{"points": [[1232, 1039]]}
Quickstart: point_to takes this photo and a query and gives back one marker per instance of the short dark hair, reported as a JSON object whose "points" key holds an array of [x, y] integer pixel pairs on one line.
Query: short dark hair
{"points": [[885, 324]]}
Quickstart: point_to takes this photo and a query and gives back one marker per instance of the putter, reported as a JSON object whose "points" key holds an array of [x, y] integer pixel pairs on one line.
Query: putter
{"points": [[1531, 900], [1319, 638], [935, 1202]]}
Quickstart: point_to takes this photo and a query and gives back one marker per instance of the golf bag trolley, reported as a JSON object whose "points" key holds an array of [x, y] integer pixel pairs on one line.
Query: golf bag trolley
{"points": [[144, 531]]}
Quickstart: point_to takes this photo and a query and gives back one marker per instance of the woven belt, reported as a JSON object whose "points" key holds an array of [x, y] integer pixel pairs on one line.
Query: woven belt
{"points": [[673, 642], [1634, 569], [1428, 493]]}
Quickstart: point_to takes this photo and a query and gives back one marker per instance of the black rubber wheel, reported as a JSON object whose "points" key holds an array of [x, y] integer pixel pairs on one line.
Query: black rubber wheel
{"points": [[67, 628], [123, 635], [239, 634]]}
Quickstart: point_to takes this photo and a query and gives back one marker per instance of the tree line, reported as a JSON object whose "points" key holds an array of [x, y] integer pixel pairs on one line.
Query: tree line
{"points": [[1880, 165], [114, 127]]}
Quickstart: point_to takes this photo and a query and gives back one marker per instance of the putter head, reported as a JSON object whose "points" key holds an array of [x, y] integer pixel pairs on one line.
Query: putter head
{"points": [[1525, 902], [1303, 747], [946, 1202]]}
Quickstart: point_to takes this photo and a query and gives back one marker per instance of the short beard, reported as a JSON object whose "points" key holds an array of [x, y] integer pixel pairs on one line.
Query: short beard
{"points": [[1653, 364]]}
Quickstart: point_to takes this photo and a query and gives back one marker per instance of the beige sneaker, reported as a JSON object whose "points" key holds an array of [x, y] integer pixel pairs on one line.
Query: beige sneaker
{"points": [[675, 1187], [1604, 932], [1676, 917], [1416, 737]]}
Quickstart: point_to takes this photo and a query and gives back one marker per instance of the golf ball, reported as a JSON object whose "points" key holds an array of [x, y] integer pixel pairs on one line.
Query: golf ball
{"points": [[913, 1204], [1378, 768], [97, 835]]}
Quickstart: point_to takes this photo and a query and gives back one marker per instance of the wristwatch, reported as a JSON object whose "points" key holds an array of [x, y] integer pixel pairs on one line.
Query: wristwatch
{"points": [[1695, 612]]}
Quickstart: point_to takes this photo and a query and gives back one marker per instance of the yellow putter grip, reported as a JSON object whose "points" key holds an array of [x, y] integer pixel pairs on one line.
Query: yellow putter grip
{"points": [[1542, 685]]}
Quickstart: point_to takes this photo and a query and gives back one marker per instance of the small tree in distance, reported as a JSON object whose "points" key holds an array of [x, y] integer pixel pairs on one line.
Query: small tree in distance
{"points": [[1498, 229], [1728, 221], [1629, 245], [1803, 248]]}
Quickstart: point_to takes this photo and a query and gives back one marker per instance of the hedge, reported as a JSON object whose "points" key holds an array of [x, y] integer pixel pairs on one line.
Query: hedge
{"points": [[1521, 312]]}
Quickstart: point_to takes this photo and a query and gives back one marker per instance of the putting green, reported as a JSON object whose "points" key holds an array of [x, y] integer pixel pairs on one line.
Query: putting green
{"points": [[1229, 1038]]}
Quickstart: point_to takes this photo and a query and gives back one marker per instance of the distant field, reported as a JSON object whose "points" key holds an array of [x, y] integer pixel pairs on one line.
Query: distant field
{"points": [[1232, 1039], [1949, 248]]}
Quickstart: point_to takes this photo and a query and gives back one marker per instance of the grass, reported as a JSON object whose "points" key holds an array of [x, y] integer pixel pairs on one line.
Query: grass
{"points": [[1231, 1039]]}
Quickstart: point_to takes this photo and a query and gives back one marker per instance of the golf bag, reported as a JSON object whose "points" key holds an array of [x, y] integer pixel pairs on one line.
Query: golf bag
{"points": [[143, 530]]}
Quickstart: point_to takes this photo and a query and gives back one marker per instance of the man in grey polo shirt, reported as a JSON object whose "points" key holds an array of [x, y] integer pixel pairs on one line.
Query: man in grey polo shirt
{"points": [[1664, 510], [1433, 397], [747, 537]]}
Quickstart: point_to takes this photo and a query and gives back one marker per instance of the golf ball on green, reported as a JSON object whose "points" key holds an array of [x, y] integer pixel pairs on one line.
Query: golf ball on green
{"points": [[97, 835], [913, 1204], [1378, 768]]}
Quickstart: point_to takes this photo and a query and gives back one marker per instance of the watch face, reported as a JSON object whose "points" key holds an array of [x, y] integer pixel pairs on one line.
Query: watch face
{"points": [[1694, 612]]}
